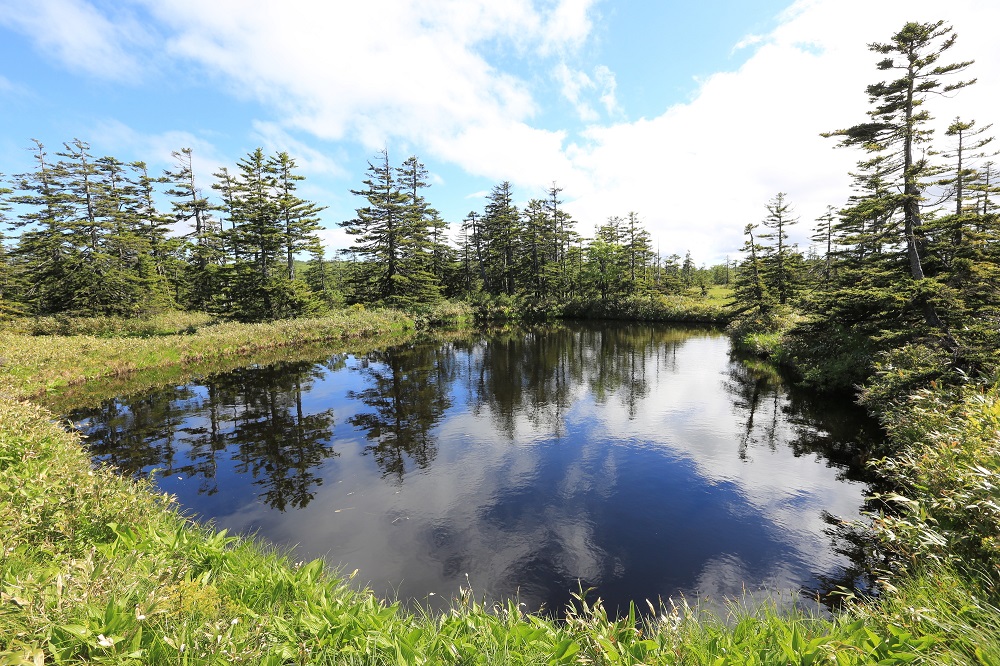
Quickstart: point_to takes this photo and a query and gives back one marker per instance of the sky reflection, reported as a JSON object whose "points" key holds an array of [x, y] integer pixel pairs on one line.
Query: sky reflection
{"points": [[639, 460]]}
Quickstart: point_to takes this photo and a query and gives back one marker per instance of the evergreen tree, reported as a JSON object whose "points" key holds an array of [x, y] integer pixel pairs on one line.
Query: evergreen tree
{"points": [[389, 243], [562, 238], [43, 247], [823, 237], [898, 125], [687, 269], [165, 265], [322, 276], [500, 231], [537, 268], [780, 260], [8, 287], [607, 268], [266, 225], [639, 252], [474, 265], [298, 216], [750, 292], [204, 278]]}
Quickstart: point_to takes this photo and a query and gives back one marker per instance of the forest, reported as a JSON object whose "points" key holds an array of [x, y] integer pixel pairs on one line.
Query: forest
{"points": [[92, 238]]}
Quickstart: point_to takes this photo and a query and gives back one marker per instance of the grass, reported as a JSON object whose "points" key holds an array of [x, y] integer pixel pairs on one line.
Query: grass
{"points": [[32, 366], [687, 307], [167, 323]]}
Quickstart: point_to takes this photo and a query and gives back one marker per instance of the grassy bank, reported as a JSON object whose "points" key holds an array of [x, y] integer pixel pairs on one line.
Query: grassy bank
{"points": [[710, 307], [32, 365], [938, 534]]}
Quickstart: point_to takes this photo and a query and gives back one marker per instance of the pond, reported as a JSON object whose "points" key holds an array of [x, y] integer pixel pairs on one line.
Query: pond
{"points": [[640, 460]]}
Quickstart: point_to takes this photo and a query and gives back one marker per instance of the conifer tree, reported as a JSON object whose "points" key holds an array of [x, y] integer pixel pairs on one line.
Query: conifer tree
{"points": [[392, 249], [639, 251], [267, 224], [164, 260], [204, 278], [8, 288], [823, 237], [536, 265], [473, 270], [780, 258], [750, 292], [298, 216], [898, 126], [562, 238], [501, 231], [42, 248]]}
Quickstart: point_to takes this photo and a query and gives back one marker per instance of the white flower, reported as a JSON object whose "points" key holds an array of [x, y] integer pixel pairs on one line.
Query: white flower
{"points": [[104, 641]]}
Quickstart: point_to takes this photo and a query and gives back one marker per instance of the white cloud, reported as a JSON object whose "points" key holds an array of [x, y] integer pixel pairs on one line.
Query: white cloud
{"points": [[573, 83], [609, 86], [747, 42], [576, 86], [79, 36]]}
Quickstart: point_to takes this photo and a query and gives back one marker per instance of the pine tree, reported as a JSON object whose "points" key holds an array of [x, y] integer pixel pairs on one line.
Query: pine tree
{"points": [[536, 266], [266, 225], [164, 261], [823, 237], [43, 247], [394, 262], [323, 280], [500, 228], [750, 292], [471, 250], [298, 216], [639, 251], [898, 125], [204, 278], [780, 259], [562, 237], [8, 286]]}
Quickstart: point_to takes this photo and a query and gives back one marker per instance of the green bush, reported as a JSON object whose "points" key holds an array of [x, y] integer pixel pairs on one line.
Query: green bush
{"points": [[945, 468]]}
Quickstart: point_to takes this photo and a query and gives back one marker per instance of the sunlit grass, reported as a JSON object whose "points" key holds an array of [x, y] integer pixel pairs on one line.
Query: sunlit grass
{"points": [[35, 365]]}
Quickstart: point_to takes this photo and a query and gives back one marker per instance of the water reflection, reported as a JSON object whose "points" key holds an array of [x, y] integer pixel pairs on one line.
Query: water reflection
{"points": [[252, 418], [638, 459], [408, 390]]}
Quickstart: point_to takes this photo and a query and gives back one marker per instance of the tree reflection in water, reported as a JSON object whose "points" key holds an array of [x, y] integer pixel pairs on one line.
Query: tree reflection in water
{"points": [[559, 434], [182, 430], [409, 391]]}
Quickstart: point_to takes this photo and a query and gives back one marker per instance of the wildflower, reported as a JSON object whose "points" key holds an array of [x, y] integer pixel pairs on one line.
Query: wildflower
{"points": [[104, 641]]}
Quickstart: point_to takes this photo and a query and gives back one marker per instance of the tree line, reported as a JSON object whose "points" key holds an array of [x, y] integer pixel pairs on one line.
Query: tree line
{"points": [[98, 236]]}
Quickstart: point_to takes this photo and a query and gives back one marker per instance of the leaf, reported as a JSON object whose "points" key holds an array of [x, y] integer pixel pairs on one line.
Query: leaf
{"points": [[564, 651]]}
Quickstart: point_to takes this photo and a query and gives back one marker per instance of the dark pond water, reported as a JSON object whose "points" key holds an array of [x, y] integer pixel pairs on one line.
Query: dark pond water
{"points": [[640, 460]]}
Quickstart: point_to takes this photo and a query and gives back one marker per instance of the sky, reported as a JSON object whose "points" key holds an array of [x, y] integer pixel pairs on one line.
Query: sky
{"points": [[692, 114]]}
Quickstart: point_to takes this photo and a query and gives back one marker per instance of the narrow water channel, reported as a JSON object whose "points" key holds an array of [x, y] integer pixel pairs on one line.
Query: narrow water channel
{"points": [[639, 460]]}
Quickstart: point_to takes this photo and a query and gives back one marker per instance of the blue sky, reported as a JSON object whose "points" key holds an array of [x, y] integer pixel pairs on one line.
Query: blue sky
{"points": [[692, 114]]}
